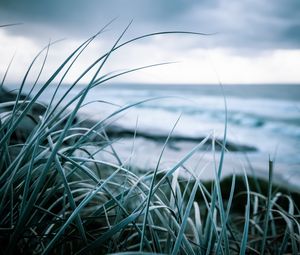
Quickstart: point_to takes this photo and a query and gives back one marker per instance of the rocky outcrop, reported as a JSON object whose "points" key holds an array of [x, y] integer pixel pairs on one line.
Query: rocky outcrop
{"points": [[28, 123], [6, 96], [231, 146]]}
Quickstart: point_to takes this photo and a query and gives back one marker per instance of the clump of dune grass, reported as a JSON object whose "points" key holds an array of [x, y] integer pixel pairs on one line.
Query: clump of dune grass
{"points": [[57, 197]]}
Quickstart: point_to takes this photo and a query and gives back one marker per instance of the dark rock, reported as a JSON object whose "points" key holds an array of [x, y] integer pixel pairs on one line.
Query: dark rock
{"points": [[118, 132], [30, 120], [6, 96]]}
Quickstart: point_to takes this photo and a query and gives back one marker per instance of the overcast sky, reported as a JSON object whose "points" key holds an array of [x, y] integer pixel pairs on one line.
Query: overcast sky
{"points": [[253, 41]]}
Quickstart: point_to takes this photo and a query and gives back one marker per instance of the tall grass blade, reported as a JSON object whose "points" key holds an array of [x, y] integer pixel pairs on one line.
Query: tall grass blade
{"points": [[267, 209]]}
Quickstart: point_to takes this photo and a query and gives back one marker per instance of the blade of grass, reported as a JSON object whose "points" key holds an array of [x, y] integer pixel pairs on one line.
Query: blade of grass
{"points": [[267, 208], [184, 220], [152, 183]]}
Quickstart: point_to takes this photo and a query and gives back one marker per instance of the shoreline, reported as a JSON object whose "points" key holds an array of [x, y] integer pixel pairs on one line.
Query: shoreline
{"points": [[151, 142], [149, 145]]}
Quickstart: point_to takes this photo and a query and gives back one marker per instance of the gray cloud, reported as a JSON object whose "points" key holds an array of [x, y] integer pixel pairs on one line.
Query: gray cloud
{"points": [[243, 25]]}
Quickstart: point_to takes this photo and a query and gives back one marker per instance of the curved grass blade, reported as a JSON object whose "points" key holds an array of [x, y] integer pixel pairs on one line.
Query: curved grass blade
{"points": [[185, 220], [152, 184]]}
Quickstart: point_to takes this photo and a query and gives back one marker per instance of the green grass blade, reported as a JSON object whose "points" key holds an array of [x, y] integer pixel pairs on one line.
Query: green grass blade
{"points": [[152, 184], [247, 220], [184, 220], [267, 209]]}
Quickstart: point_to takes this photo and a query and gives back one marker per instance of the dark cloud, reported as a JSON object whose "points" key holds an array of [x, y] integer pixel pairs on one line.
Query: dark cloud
{"points": [[249, 24]]}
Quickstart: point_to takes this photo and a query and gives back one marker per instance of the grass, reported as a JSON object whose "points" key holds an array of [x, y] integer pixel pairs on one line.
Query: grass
{"points": [[57, 197]]}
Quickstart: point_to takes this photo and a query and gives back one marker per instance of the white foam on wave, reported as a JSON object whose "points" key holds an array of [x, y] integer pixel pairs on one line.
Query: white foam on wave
{"points": [[269, 125]]}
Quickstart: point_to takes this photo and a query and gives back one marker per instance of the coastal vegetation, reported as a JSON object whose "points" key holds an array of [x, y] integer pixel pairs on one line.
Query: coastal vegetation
{"points": [[58, 197]]}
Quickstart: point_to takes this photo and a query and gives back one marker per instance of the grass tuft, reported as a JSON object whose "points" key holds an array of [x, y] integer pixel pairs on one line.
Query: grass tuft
{"points": [[58, 197]]}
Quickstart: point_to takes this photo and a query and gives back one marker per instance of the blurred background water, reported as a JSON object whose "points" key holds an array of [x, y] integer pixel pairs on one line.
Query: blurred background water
{"points": [[265, 118]]}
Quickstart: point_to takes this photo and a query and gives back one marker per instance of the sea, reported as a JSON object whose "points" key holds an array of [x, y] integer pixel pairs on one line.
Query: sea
{"points": [[261, 122]]}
